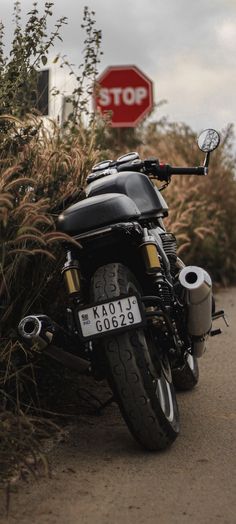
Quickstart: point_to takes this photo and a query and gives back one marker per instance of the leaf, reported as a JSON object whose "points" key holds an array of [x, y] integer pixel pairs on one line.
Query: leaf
{"points": [[56, 59], [32, 252], [27, 237], [44, 60], [6, 201], [57, 237]]}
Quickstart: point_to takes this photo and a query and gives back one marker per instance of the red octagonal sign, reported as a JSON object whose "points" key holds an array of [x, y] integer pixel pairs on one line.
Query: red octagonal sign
{"points": [[125, 92]]}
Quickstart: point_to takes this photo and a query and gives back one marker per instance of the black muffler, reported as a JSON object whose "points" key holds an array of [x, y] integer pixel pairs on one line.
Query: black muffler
{"points": [[53, 340]]}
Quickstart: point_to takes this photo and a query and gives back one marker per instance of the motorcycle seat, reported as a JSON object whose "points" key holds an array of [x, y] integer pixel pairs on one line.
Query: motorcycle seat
{"points": [[97, 211]]}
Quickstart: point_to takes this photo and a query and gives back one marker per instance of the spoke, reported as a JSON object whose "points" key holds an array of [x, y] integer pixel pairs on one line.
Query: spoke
{"points": [[190, 361], [161, 396], [164, 395], [171, 414]]}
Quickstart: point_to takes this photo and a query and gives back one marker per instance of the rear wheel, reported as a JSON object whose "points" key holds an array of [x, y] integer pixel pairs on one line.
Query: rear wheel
{"points": [[139, 376]]}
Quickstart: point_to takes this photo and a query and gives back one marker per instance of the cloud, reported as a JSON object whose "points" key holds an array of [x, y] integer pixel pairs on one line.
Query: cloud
{"points": [[198, 93], [227, 34]]}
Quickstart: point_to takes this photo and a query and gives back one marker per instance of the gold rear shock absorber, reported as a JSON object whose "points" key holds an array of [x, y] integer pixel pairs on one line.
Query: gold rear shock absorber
{"points": [[70, 272], [150, 253]]}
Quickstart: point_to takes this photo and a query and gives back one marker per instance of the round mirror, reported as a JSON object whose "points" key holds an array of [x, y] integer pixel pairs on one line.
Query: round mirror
{"points": [[208, 140], [102, 165]]}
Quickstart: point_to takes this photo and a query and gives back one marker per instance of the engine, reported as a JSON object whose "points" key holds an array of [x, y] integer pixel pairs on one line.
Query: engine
{"points": [[170, 248]]}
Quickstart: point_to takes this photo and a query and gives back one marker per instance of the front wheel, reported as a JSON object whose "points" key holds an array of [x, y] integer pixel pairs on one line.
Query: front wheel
{"points": [[139, 376]]}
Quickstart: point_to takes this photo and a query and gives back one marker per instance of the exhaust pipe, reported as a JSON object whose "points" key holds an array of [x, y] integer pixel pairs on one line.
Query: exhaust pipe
{"points": [[52, 339], [198, 296], [37, 329]]}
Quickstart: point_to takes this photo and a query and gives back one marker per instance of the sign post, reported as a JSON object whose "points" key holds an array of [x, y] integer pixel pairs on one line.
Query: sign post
{"points": [[126, 93]]}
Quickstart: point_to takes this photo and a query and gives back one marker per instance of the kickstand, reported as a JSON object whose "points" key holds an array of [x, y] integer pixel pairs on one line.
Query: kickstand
{"points": [[220, 314]]}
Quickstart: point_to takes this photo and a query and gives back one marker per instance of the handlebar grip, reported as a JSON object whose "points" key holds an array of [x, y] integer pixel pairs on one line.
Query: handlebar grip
{"points": [[200, 170]]}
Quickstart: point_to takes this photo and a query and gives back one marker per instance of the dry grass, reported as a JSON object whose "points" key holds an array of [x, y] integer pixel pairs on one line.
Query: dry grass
{"points": [[39, 169]]}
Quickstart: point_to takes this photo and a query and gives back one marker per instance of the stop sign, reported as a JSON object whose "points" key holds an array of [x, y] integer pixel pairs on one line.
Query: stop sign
{"points": [[126, 92]]}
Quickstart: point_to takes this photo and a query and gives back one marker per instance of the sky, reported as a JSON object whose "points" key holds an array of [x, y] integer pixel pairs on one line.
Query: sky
{"points": [[187, 47]]}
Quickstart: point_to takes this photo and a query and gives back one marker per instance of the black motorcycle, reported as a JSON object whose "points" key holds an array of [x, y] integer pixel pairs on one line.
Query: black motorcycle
{"points": [[135, 313]]}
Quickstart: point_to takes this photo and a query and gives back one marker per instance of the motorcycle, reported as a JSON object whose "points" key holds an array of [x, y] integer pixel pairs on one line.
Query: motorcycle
{"points": [[135, 315]]}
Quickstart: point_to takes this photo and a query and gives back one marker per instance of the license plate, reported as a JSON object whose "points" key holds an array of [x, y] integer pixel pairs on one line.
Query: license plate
{"points": [[115, 315]]}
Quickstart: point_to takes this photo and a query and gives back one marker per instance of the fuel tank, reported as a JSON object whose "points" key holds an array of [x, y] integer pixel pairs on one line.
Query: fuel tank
{"points": [[136, 186]]}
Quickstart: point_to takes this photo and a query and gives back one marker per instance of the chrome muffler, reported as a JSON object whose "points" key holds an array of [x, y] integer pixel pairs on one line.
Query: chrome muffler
{"points": [[55, 341], [197, 286], [38, 329]]}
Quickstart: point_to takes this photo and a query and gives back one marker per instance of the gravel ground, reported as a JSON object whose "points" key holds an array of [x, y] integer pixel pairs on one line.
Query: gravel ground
{"points": [[99, 474]]}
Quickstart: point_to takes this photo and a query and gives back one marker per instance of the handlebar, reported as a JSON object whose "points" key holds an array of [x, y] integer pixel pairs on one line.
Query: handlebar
{"points": [[169, 170], [151, 166], [161, 171]]}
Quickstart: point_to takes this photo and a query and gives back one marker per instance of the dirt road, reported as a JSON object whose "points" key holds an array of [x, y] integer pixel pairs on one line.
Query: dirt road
{"points": [[101, 476]]}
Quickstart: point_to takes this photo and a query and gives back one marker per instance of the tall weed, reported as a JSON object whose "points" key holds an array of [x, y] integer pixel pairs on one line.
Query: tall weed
{"points": [[42, 168]]}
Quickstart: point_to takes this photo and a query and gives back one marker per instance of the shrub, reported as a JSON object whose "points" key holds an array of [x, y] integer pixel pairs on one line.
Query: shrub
{"points": [[41, 167]]}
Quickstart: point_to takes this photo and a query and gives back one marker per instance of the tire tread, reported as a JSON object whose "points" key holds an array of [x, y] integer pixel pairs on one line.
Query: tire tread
{"points": [[129, 374]]}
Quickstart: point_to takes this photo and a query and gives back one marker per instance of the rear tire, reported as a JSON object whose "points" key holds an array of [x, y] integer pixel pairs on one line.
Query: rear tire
{"points": [[140, 378]]}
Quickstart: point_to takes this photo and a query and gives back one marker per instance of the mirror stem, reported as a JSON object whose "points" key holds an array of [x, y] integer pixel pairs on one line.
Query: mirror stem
{"points": [[207, 159]]}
